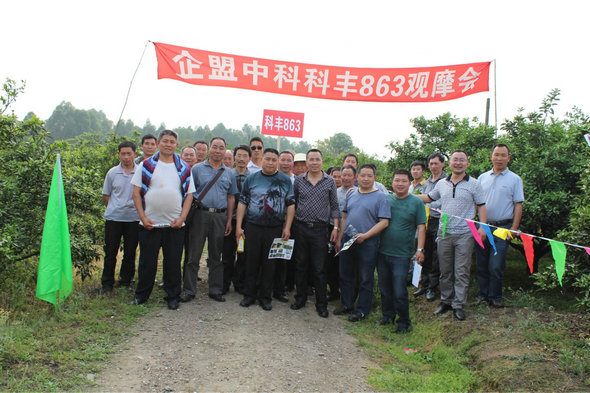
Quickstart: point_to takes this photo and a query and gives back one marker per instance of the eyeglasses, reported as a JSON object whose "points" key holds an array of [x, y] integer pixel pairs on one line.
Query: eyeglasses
{"points": [[256, 147]]}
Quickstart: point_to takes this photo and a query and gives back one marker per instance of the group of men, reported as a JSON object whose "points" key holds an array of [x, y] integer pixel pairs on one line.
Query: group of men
{"points": [[344, 223]]}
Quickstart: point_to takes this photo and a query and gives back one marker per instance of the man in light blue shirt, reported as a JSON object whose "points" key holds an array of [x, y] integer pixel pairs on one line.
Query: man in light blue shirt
{"points": [[121, 219], [504, 195], [212, 214]]}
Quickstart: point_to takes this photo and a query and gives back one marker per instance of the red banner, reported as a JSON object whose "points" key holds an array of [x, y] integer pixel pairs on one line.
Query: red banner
{"points": [[282, 123], [423, 84]]}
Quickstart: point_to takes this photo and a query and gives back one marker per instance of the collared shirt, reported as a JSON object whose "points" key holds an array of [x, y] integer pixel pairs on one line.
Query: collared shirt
{"points": [[117, 185], [419, 189], [501, 191], [458, 201], [216, 198], [316, 203], [252, 167], [429, 185]]}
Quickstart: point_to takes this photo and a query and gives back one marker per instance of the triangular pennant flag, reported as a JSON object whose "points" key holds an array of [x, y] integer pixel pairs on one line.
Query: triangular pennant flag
{"points": [[529, 249], [475, 233], [503, 233], [427, 215], [558, 250], [443, 219], [587, 250], [488, 232]]}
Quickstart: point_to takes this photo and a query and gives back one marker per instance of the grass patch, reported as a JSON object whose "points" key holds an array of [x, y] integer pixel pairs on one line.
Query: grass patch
{"points": [[46, 350], [537, 343]]}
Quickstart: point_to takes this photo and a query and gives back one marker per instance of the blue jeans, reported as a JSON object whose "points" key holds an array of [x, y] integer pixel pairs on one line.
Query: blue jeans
{"points": [[362, 258], [392, 273], [490, 268]]}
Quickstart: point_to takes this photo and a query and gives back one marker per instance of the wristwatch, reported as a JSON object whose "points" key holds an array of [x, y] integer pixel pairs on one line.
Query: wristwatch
{"points": [[420, 249]]}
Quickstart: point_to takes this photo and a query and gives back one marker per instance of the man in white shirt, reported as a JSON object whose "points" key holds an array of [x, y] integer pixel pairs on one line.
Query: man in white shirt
{"points": [[162, 194]]}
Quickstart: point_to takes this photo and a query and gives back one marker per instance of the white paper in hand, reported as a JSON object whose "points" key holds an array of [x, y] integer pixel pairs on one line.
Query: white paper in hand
{"points": [[417, 274]]}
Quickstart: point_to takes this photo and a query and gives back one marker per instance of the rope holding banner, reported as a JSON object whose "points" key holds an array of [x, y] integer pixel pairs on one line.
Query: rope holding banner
{"points": [[130, 84]]}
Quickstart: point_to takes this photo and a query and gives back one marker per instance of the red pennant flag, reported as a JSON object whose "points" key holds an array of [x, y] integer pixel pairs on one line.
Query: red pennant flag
{"points": [[529, 251]]}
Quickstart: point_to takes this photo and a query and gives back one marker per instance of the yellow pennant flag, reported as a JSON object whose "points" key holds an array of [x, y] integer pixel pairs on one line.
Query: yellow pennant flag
{"points": [[503, 233], [427, 215]]}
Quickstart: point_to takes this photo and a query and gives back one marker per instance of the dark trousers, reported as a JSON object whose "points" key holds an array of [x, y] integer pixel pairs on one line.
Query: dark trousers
{"points": [[332, 270], [234, 268], [280, 276], [113, 231], [430, 270], [310, 256], [392, 273], [171, 241], [259, 269], [359, 261]]}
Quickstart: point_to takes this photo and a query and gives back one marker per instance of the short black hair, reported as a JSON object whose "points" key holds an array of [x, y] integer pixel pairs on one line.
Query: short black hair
{"points": [[370, 166], [287, 152], [243, 147], [148, 136], [333, 169], [203, 142], [403, 172], [351, 155], [419, 163], [271, 150], [349, 167], [217, 137], [440, 157], [501, 145], [460, 151], [314, 151], [130, 144], [256, 139], [167, 132]]}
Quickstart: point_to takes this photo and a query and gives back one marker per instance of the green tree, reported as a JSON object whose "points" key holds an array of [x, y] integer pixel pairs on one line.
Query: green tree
{"points": [[337, 144], [66, 122]]}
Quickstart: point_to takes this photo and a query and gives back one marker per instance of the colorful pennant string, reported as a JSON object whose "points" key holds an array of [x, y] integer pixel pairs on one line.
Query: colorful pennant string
{"points": [[503, 233]]}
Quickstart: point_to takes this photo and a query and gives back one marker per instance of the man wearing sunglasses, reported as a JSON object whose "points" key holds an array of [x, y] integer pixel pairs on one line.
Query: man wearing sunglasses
{"points": [[257, 146]]}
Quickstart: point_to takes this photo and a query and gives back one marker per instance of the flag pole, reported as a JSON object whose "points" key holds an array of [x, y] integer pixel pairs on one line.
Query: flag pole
{"points": [[495, 101]]}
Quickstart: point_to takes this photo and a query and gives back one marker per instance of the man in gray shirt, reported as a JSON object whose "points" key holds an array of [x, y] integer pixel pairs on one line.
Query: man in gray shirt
{"points": [[461, 198], [121, 219], [212, 214]]}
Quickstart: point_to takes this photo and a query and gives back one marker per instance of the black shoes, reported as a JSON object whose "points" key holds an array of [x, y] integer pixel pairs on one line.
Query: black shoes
{"points": [[281, 297], [420, 292], [357, 316], [430, 295], [265, 304], [385, 321], [323, 312], [137, 301], [217, 297], [442, 309], [496, 303], [402, 329], [247, 301], [187, 297], [342, 310], [173, 304], [297, 306], [459, 314]]}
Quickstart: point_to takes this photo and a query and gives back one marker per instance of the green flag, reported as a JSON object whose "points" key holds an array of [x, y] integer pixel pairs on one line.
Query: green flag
{"points": [[443, 219], [54, 280]]}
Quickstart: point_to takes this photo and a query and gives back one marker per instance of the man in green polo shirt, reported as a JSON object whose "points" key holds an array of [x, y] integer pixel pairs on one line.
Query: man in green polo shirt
{"points": [[397, 249]]}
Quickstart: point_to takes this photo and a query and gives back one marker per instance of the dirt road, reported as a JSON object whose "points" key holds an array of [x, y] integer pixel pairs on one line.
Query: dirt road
{"points": [[210, 346]]}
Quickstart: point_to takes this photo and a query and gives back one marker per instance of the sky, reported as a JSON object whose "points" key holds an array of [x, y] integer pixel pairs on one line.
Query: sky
{"points": [[87, 52]]}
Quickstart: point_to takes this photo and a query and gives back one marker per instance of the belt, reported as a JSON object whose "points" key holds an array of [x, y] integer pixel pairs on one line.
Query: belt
{"points": [[211, 210], [313, 224], [500, 223]]}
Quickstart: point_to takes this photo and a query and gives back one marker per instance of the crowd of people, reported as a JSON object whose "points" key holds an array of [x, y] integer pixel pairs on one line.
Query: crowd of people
{"points": [[344, 223]]}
